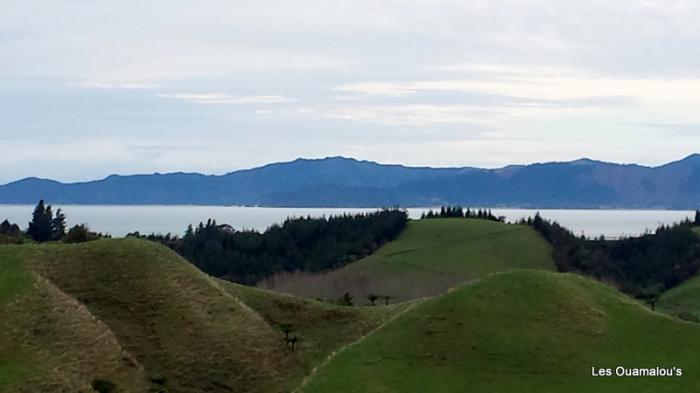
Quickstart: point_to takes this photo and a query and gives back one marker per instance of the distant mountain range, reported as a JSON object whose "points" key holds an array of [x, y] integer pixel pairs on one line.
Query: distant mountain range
{"points": [[346, 182]]}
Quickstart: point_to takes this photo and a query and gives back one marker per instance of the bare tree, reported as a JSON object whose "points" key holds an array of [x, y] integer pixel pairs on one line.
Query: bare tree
{"points": [[372, 298]]}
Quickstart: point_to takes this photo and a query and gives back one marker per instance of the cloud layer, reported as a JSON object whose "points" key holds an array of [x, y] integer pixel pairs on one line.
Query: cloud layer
{"points": [[91, 88]]}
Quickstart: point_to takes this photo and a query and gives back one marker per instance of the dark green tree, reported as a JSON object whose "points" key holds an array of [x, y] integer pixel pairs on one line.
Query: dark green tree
{"points": [[697, 218], [7, 228], [58, 225], [40, 226]]}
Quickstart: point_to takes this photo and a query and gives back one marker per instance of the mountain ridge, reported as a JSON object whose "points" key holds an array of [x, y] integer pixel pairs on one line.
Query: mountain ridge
{"points": [[348, 182]]}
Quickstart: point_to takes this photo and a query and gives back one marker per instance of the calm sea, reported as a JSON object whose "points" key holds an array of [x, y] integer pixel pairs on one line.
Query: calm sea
{"points": [[120, 220]]}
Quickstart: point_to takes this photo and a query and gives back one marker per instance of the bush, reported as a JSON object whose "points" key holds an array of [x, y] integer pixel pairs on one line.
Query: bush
{"points": [[79, 234]]}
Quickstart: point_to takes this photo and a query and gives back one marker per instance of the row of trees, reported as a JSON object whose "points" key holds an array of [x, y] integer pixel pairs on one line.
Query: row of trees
{"points": [[299, 244], [459, 212], [641, 266], [46, 226]]}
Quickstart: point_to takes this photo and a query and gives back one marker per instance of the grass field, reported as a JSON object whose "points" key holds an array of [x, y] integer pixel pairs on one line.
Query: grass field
{"points": [[683, 300], [428, 258], [14, 281], [49, 341], [135, 314], [522, 331]]}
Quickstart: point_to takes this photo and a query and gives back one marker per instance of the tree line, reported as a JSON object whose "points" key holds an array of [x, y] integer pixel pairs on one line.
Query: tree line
{"points": [[460, 212], [643, 267], [46, 226], [299, 244]]}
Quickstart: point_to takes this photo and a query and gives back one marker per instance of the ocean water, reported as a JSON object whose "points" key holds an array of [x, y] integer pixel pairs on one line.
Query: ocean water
{"points": [[120, 220]]}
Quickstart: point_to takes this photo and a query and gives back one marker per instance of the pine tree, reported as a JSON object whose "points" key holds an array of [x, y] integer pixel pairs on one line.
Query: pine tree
{"points": [[40, 226], [697, 217], [58, 225]]}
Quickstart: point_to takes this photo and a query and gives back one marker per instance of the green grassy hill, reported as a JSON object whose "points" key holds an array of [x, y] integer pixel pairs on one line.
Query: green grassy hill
{"points": [[684, 300], [429, 257], [134, 314], [521, 331]]}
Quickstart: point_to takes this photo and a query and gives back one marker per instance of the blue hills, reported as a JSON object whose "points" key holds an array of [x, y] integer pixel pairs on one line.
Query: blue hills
{"points": [[347, 182]]}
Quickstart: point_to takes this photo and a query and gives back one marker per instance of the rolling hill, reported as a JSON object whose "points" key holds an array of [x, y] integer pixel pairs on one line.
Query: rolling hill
{"points": [[429, 257], [128, 315], [520, 331], [684, 300], [132, 314], [338, 181]]}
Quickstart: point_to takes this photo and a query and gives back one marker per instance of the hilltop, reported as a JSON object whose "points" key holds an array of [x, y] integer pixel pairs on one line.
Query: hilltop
{"points": [[429, 257], [347, 182], [520, 331]]}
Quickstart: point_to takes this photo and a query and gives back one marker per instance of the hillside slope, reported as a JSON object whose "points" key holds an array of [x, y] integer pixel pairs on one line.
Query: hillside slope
{"points": [[521, 331], [429, 257], [683, 300], [49, 342], [133, 313], [320, 327]]}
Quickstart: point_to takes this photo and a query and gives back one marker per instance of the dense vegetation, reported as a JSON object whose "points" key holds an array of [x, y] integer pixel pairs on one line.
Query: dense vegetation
{"points": [[642, 266], [459, 212], [299, 244]]}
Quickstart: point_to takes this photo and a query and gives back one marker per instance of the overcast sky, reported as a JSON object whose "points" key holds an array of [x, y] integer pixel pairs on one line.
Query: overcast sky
{"points": [[94, 87]]}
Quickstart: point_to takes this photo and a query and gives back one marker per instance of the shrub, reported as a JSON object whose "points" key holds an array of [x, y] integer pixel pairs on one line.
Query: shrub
{"points": [[79, 234]]}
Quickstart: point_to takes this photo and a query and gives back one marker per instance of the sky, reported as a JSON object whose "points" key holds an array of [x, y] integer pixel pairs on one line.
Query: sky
{"points": [[94, 87]]}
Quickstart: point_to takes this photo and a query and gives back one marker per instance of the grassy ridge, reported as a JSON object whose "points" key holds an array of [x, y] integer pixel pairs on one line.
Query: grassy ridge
{"points": [[134, 313], [187, 332], [524, 331], [50, 342], [429, 257]]}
